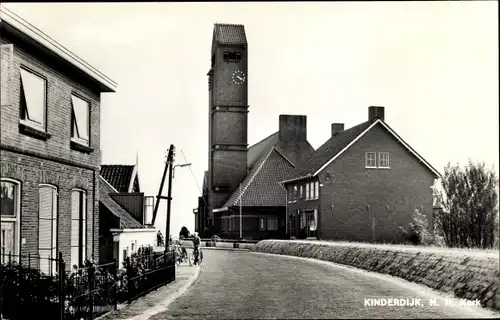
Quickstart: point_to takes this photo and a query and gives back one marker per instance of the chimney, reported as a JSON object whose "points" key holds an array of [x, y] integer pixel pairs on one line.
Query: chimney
{"points": [[336, 128], [293, 128], [375, 113]]}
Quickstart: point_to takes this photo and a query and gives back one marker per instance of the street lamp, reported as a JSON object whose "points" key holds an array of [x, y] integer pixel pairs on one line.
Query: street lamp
{"points": [[179, 165], [169, 198]]}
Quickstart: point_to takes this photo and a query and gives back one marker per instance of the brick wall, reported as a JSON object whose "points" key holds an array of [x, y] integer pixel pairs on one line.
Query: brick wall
{"points": [[59, 89], [32, 161], [392, 194], [32, 171]]}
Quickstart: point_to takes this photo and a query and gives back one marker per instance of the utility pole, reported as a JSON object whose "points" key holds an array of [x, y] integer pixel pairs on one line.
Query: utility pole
{"points": [[170, 160], [159, 197]]}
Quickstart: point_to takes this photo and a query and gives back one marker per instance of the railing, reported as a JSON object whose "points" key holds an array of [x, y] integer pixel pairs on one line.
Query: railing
{"points": [[151, 271], [83, 293]]}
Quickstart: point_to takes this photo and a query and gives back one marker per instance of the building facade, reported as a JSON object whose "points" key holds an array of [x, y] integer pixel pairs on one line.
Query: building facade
{"points": [[50, 148], [360, 185]]}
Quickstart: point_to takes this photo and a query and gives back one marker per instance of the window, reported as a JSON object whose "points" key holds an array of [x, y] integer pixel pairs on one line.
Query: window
{"points": [[312, 195], [383, 159], [316, 189], [78, 227], [371, 161], [34, 92], [232, 56], [10, 215], [80, 120], [262, 223], [290, 194], [307, 191], [213, 60], [301, 191], [47, 228], [272, 223], [231, 223], [295, 193], [133, 246]]}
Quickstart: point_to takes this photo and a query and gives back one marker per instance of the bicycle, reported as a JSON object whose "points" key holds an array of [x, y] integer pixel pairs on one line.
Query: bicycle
{"points": [[196, 257], [180, 255]]}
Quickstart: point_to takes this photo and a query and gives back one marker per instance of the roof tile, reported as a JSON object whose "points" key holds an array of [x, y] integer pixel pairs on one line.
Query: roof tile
{"points": [[118, 176], [126, 219], [327, 151], [230, 34]]}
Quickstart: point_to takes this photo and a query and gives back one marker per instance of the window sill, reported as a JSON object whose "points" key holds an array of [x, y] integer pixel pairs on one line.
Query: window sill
{"points": [[367, 167], [75, 145], [27, 128], [386, 168]]}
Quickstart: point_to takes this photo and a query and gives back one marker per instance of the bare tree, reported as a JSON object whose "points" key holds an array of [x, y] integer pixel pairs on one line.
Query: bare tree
{"points": [[470, 206]]}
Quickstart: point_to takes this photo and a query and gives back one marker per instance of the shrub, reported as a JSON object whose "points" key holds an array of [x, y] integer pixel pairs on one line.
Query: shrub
{"points": [[418, 230]]}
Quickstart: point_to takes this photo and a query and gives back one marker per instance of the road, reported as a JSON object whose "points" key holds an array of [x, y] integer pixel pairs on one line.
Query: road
{"points": [[255, 286]]}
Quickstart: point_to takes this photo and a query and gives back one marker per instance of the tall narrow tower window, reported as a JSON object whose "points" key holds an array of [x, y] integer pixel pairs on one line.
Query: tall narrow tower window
{"points": [[232, 56]]}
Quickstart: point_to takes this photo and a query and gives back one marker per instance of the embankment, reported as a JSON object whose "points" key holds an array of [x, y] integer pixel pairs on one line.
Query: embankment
{"points": [[463, 273]]}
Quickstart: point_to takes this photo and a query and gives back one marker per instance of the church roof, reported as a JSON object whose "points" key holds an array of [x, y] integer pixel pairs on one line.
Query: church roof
{"points": [[269, 162], [230, 34]]}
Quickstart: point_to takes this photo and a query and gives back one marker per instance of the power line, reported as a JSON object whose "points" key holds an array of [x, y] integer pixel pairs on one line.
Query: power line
{"points": [[195, 180]]}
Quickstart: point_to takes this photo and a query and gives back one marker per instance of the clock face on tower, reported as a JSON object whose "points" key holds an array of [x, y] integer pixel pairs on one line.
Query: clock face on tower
{"points": [[239, 77]]}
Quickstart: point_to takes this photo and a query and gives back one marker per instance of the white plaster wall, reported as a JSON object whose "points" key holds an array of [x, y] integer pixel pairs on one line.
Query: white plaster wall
{"points": [[139, 238]]}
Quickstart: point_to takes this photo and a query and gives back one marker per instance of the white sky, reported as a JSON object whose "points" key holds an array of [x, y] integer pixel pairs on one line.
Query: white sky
{"points": [[433, 65]]}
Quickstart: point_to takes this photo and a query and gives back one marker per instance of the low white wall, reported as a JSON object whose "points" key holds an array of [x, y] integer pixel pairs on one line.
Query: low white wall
{"points": [[144, 237]]}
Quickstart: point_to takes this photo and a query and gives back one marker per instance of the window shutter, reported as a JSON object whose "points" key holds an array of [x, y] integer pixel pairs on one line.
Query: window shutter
{"points": [[6, 69], [45, 232], [75, 227], [84, 227]]}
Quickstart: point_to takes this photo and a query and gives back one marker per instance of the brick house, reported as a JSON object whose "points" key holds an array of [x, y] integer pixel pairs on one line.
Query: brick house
{"points": [[50, 148], [360, 185], [123, 224], [239, 176]]}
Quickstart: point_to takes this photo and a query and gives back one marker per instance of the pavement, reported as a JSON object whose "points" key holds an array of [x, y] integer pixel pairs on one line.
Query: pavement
{"points": [[158, 300], [248, 285]]}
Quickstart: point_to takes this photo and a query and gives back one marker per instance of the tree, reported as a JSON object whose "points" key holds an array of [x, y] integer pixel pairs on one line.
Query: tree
{"points": [[184, 233], [469, 206]]}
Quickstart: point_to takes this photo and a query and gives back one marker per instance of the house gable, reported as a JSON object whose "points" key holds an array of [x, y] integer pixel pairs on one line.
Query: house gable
{"points": [[352, 195], [393, 134]]}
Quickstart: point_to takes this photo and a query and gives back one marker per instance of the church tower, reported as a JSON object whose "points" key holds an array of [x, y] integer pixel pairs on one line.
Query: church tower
{"points": [[228, 109]]}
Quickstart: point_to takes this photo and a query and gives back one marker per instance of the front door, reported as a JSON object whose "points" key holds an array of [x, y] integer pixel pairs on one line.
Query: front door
{"points": [[311, 224], [7, 237]]}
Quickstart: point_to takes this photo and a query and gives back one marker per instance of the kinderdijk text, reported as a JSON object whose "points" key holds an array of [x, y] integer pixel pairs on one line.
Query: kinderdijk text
{"points": [[416, 302]]}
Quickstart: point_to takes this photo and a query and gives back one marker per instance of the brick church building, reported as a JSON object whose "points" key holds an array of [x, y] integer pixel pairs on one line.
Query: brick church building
{"points": [[243, 180]]}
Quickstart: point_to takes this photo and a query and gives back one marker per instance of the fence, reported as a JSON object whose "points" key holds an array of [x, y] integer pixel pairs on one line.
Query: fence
{"points": [[83, 293]]}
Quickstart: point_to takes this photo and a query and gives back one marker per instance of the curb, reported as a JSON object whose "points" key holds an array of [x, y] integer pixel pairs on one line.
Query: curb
{"points": [[222, 248], [163, 305]]}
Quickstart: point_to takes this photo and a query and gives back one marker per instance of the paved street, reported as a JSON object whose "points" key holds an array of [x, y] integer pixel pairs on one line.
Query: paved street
{"points": [[248, 285]]}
